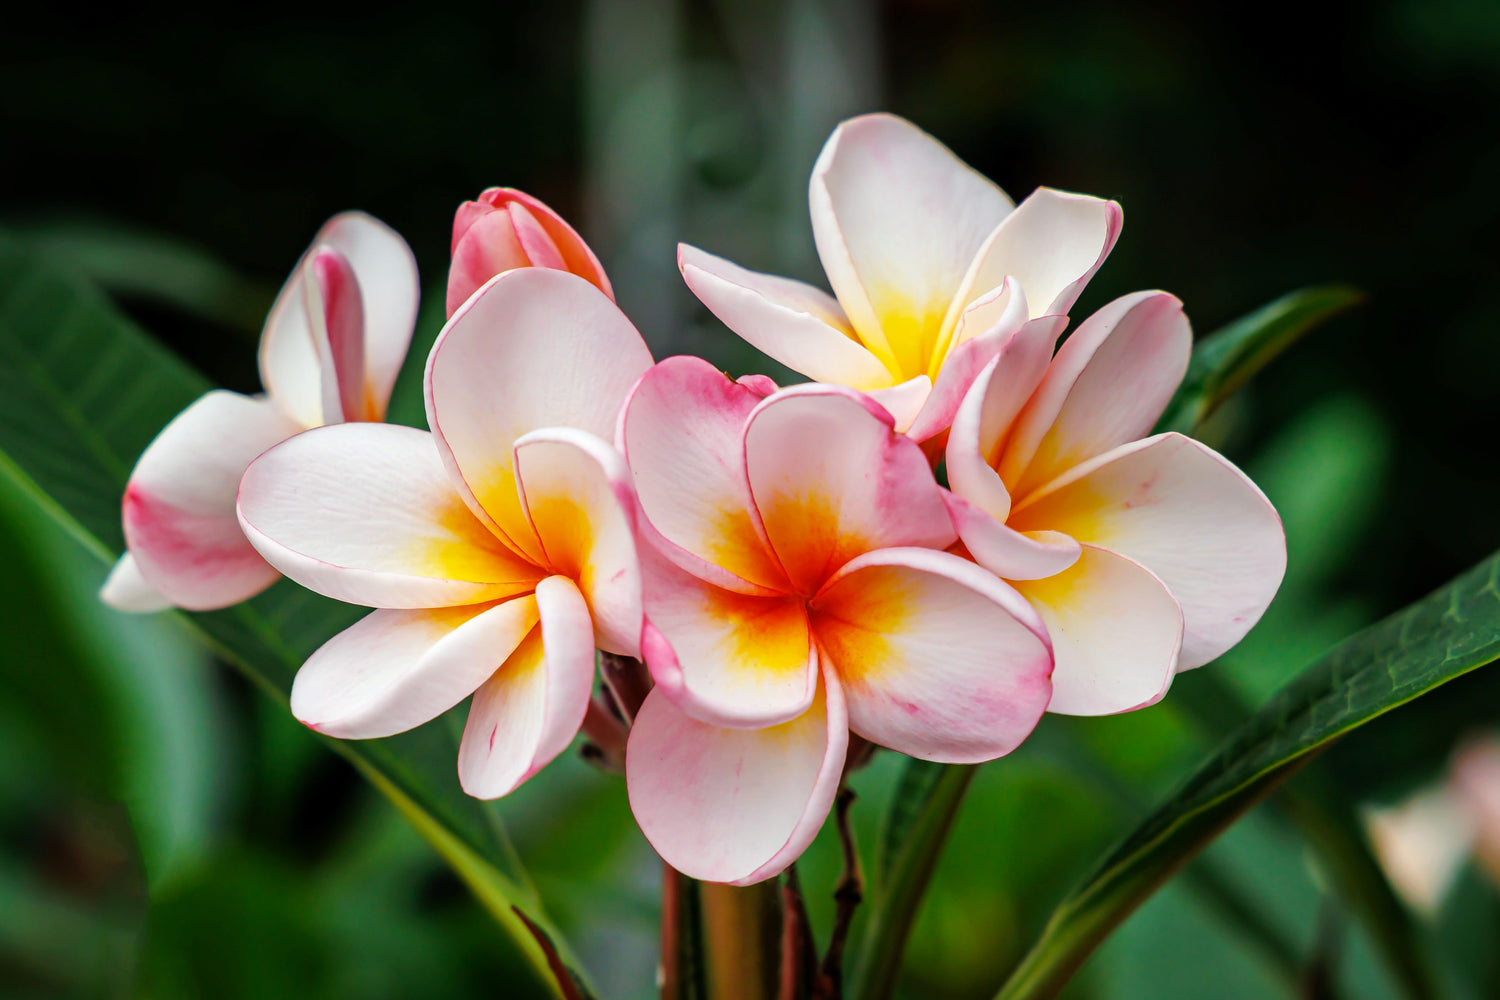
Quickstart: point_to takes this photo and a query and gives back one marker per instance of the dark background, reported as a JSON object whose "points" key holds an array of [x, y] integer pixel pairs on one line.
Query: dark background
{"points": [[183, 160]]}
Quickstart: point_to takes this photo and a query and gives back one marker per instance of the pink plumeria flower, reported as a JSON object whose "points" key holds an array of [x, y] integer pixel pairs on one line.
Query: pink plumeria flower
{"points": [[796, 590], [932, 266], [499, 548], [330, 352], [504, 229], [1144, 555]]}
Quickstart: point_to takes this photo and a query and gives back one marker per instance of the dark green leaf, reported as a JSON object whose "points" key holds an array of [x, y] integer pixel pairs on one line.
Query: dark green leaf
{"points": [[1447, 634], [82, 392], [1223, 360]]}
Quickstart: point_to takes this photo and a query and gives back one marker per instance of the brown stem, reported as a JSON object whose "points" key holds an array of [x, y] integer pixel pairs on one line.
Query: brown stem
{"points": [[627, 681], [605, 735], [847, 896], [799, 954], [681, 971]]}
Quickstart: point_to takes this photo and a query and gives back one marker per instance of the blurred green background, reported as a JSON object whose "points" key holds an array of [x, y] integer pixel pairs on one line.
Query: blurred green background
{"points": [[167, 831]]}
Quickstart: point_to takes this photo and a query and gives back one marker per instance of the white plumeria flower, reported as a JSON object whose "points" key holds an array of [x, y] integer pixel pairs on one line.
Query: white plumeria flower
{"points": [[330, 352], [499, 548], [931, 265], [1145, 556]]}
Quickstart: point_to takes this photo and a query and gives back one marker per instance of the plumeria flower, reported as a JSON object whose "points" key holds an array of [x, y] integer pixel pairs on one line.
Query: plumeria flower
{"points": [[796, 590], [1143, 555], [931, 265], [504, 229], [499, 548], [329, 354]]}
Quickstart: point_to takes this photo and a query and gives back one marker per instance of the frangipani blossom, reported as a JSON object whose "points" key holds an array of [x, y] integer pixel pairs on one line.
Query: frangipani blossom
{"points": [[796, 590], [330, 352], [499, 548], [931, 265], [504, 229], [1143, 555]]}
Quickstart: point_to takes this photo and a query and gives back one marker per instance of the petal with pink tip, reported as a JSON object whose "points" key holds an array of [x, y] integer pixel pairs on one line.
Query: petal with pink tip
{"points": [[531, 708], [178, 509], [831, 479], [1189, 516], [798, 325], [126, 590], [904, 402], [581, 505], [386, 272], [1052, 244], [937, 658], [394, 670], [726, 658], [1006, 552], [337, 326], [365, 513], [897, 219], [1115, 632], [1104, 392], [982, 423], [533, 348], [682, 430], [734, 805]]}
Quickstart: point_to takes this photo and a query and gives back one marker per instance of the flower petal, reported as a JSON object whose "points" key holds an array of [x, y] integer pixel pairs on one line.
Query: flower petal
{"points": [[1189, 516], [937, 658], [337, 326], [533, 348], [1107, 385], [1008, 553], [795, 323], [1115, 631], [984, 417], [126, 590], [682, 431], [904, 402], [734, 805], [897, 219], [581, 504], [831, 479], [364, 513], [394, 670], [179, 504], [1052, 244], [530, 710], [726, 658]]}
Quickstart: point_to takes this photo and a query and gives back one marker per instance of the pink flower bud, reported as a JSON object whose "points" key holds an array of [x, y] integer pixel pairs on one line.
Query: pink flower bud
{"points": [[506, 229]]}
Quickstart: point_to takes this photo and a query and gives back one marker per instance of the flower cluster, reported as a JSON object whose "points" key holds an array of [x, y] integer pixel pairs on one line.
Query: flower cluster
{"points": [[784, 561]]}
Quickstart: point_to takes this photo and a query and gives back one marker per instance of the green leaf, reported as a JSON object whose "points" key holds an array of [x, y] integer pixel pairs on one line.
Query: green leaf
{"points": [[82, 392], [1225, 359], [1445, 635]]}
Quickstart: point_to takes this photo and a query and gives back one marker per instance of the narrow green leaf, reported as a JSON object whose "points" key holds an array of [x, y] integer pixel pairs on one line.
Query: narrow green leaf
{"points": [[1449, 633], [82, 392], [1226, 358]]}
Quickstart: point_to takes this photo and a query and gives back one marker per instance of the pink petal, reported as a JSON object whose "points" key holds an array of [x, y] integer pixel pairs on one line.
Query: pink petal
{"points": [[1008, 553], [1188, 515], [1107, 385], [831, 479], [937, 658], [798, 325], [1052, 244], [1115, 631], [394, 670], [126, 590], [581, 504], [338, 330], [530, 710], [533, 348], [983, 420], [726, 658], [897, 219], [682, 431], [734, 805], [178, 509], [904, 402], [365, 513]]}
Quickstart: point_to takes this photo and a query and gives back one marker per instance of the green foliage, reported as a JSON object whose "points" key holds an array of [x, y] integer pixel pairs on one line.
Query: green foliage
{"points": [[82, 391]]}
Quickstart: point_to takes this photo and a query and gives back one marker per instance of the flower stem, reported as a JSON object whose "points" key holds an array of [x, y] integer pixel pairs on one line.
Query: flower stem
{"points": [[742, 939]]}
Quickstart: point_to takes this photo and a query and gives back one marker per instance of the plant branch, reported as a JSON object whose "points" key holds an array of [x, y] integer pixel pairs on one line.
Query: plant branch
{"points": [[847, 896], [798, 950]]}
